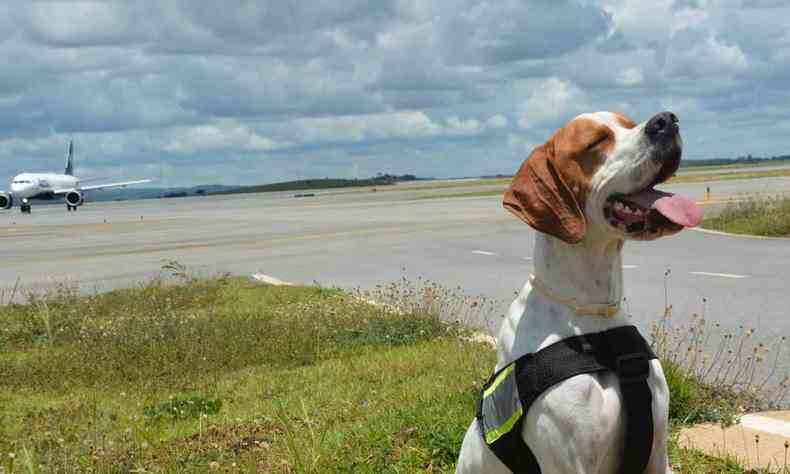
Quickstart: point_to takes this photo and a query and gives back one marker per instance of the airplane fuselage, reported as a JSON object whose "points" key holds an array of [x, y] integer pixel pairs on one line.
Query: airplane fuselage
{"points": [[41, 185], [27, 186]]}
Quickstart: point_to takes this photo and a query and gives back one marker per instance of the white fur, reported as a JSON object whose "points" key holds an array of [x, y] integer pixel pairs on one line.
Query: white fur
{"points": [[576, 427]]}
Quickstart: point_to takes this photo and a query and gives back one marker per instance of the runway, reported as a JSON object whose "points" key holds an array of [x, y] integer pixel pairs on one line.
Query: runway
{"points": [[361, 238]]}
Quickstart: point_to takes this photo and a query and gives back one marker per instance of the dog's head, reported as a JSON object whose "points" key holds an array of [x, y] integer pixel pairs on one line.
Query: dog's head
{"points": [[597, 175]]}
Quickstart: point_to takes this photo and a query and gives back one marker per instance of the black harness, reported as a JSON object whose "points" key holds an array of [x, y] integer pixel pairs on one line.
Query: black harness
{"points": [[508, 394]]}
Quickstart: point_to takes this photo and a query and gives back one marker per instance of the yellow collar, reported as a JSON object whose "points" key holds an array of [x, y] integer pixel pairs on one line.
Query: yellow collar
{"points": [[606, 309]]}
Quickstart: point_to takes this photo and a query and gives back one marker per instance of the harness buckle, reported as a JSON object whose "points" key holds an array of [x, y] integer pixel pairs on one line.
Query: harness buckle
{"points": [[632, 368]]}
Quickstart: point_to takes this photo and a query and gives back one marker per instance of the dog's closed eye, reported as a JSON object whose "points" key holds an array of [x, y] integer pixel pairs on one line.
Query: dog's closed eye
{"points": [[597, 142]]}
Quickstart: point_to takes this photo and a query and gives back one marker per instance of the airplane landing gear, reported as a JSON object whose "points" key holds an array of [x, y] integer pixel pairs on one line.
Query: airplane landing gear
{"points": [[70, 208], [25, 206]]}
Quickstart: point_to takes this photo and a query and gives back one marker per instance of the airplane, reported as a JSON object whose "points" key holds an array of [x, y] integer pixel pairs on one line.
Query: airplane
{"points": [[47, 186]]}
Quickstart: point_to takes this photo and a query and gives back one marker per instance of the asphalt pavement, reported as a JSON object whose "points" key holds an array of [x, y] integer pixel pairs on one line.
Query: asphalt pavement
{"points": [[361, 238]]}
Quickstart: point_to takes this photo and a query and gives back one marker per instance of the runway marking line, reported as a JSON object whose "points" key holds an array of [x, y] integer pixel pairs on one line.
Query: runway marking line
{"points": [[483, 252], [722, 275], [630, 267], [766, 425]]}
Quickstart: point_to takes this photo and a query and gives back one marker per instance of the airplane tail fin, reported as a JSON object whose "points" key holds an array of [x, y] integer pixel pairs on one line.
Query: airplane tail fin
{"points": [[70, 162]]}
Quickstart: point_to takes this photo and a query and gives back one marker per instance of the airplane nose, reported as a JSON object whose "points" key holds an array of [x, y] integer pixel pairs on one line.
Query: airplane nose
{"points": [[20, 188]]}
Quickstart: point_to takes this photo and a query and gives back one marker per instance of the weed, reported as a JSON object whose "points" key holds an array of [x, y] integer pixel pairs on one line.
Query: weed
{"points": [[765, 216], [713, 373], [182, 407]]}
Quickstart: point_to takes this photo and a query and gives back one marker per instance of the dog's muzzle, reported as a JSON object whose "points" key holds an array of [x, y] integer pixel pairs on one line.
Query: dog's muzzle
{"points": [[663, 127]]}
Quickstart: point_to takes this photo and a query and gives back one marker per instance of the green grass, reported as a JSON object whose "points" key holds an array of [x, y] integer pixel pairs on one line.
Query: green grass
{"points": [[187, 378], [690, 461], [491, 192], [225, 375], [691, 165], [702, 178], [764, 216], [433, 185], [308, 184]]}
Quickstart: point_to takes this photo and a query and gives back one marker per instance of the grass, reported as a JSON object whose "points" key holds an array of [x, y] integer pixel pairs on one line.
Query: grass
{"points": [[690, 461], [223, 375], [308, 184], [701, 178], [755, 216], [434, 185], [490, 192], [232, 376], [690, 165]]}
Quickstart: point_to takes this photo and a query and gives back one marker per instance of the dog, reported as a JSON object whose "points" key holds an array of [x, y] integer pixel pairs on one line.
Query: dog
{"points": [[586, 190]]}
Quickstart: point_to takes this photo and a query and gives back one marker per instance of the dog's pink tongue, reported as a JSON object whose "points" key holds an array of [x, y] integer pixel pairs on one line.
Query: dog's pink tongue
{"points": [[678, 209]]}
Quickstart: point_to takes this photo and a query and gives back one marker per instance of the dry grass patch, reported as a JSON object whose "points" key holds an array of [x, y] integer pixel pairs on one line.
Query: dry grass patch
{"points": [[764, 216]]}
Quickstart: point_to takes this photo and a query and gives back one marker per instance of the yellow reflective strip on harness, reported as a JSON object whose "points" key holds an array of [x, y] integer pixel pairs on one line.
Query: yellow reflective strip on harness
{"points": [[497, 433], [498, 380]]}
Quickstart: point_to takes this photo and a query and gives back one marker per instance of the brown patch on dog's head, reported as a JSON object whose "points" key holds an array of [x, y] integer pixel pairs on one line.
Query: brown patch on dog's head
{"points": [[624, 121], [549, 190]]}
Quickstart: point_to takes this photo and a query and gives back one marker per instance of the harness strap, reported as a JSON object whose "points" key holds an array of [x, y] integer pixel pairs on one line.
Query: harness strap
{"points": [[632, 367], [622, 350]]}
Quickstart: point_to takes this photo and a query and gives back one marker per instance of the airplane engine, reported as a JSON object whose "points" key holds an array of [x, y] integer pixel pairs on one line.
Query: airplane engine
{"points": [[74, 198], [6, 200]]}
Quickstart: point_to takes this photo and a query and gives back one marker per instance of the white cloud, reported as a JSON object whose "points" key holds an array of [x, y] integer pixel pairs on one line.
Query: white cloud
{"points": [[727, 55], [225, 135], [498, 121], [397, 125], [631, 76], [81, 23], [460, 126], [711, 58], [550, 100], [654, 21]]}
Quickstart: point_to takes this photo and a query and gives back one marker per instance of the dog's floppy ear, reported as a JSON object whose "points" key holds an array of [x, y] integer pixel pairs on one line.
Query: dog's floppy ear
{"points": [[539, 196]]}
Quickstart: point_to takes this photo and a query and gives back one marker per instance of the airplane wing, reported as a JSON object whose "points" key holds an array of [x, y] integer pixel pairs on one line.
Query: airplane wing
{"points": [[121, 184]]}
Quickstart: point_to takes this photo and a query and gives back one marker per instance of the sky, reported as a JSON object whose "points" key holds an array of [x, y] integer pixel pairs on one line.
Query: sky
{"points": [[243, 92]]}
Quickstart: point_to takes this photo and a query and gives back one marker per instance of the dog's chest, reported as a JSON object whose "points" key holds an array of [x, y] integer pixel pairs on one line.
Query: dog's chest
{"points": [[578, 421]]}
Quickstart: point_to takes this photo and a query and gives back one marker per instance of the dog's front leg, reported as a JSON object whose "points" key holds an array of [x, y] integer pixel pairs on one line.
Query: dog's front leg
{"points": [[659, 462]]}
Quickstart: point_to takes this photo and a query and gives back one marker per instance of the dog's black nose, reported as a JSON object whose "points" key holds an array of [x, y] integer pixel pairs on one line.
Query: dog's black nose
{"points": [[662, 126]]}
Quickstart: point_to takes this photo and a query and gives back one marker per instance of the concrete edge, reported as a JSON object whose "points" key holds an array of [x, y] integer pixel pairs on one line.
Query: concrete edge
{"points": [[477, 337], [745, 236], [269, 280]]}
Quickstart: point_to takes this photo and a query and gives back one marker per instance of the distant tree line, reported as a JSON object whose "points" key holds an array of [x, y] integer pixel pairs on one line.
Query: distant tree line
{"points": [[732, 161], [381, 179]]}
